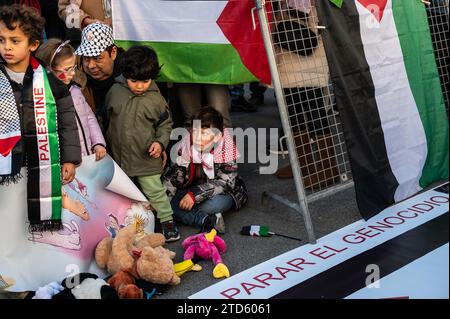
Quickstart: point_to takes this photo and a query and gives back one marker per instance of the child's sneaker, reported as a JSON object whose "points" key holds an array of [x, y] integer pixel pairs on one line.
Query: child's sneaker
{"points": [[214, 221], [170, 231]]}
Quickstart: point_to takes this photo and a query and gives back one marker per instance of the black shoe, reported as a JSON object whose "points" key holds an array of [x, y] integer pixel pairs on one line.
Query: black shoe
{"points": [[242, 105], [170, 231], [256, 100], [213, 221]]}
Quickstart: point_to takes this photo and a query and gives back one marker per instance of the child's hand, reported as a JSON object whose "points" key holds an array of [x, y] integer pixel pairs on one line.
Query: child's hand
{"points": [[149, 207], [67, 172], [155, 150], [100, 152], [187, 202]]}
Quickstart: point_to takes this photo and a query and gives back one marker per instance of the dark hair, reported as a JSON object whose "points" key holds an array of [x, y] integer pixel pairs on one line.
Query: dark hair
{"points": [[47, 50], [24, 17], [140, 63], [210, 117], [110, 48]]}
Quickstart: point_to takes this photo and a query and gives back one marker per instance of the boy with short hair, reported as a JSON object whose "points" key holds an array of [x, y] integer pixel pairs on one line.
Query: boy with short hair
{"points": [[139, 129], [204, 182], [39, 142]]}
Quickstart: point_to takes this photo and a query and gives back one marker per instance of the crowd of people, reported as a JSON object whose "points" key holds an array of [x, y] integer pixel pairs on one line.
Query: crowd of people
{"points": [[68, 91], [105, 100], [112, 104]]}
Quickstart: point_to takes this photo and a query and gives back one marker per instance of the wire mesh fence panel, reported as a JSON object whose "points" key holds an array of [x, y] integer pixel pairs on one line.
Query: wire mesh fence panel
{"points": [[308, 94], [438, 11]]}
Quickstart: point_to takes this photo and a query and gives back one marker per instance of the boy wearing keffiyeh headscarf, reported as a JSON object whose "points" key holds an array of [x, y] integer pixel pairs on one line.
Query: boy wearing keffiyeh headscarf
{"points": [[204, 181]]}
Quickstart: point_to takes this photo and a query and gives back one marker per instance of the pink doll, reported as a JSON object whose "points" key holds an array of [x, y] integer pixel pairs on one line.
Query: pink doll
{"points": [[207, 246]]}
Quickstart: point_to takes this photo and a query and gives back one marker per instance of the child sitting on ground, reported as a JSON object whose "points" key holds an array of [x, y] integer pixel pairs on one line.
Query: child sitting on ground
{"points": [[204, 181], [139, 129], [60, 59]]}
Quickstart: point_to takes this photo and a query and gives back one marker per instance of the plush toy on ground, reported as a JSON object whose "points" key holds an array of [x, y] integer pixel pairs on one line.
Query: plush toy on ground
{"points": [[207, 246], [187, 265], [142, 255], [48, 291], [128, 287], [125, 285], [86, 286]]}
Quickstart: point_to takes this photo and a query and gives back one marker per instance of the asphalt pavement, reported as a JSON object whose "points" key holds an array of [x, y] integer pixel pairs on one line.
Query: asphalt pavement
{"points": [[243, 252]]}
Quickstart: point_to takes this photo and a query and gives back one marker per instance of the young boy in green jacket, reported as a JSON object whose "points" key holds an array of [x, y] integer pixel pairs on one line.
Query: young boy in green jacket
{"points": [[139, 129]]}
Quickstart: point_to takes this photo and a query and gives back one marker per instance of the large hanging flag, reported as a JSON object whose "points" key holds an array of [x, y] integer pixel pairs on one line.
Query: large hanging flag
{"points": [[196, 41], [388, 92]]}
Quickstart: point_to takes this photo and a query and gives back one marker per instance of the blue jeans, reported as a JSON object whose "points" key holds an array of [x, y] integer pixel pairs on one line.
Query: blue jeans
{"points": [[217, 204]]}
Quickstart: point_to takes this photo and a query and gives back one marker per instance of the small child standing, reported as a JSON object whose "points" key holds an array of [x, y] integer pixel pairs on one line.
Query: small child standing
{"points": [[39, 145], [139, 129], [61, 61], [204, 182]]}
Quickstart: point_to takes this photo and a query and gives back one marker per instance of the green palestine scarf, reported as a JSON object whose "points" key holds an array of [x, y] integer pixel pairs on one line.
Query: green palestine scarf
{"points": [[42, 149]]}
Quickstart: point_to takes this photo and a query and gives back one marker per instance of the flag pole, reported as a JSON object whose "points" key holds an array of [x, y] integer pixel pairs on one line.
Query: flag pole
{"points": [[303, 205], [285, 236]]}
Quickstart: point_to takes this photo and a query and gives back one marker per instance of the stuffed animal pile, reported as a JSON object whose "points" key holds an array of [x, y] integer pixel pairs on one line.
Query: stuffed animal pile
{"points": [[141, 255]]}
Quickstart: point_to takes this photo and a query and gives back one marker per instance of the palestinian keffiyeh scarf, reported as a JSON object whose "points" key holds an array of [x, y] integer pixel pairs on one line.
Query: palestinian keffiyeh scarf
{"points": [[10, 135], [224, 151], [40, 139]]}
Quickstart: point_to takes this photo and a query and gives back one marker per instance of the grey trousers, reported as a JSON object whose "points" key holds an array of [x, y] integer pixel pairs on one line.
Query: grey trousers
{"points": [[217, 96]]}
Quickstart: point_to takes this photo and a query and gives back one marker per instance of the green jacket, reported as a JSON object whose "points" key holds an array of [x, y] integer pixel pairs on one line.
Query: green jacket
{"points": [[136, 122]]}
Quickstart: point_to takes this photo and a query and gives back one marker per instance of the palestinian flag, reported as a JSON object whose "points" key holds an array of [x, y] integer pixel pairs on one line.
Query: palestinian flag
{"points": [[255, 230], [43, 160], [196, 41], [389, 96]]}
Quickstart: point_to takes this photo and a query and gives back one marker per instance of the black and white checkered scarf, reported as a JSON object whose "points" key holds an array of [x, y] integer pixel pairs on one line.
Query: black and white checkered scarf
{"points": [[10, 134]]}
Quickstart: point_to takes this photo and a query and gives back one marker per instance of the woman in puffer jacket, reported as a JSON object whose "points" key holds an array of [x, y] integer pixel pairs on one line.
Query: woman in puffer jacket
{"points": [[60, 58]]}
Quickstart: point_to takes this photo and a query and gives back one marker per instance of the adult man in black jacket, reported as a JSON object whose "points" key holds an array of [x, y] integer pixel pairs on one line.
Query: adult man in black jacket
{"points": [[100, 62]]}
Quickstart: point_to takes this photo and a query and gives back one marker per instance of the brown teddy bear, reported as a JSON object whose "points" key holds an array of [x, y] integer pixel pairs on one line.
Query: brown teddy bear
{"points": [[140, 254], [125, 285]]}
